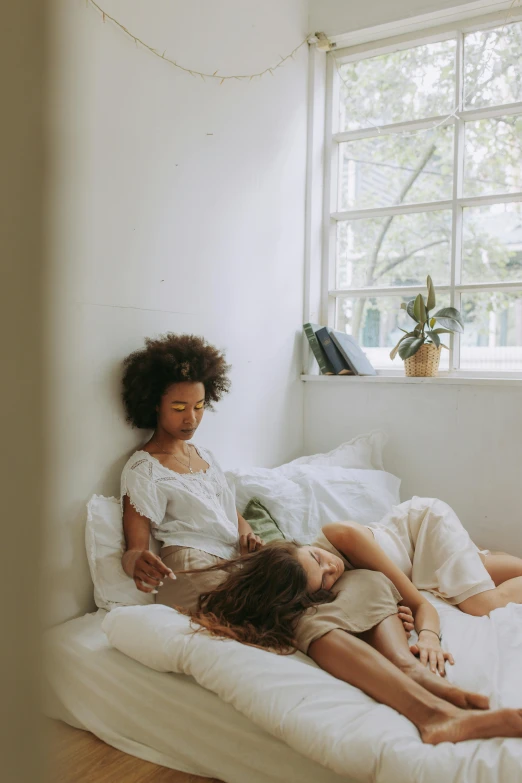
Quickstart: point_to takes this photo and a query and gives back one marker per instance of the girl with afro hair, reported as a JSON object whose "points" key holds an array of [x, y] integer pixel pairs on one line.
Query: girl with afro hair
{"points": [[171, 488]]}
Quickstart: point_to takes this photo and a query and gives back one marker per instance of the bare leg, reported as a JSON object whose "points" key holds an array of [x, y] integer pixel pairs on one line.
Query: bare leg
{"points": [[484, 603], [357, 663], [389, 638], [502, 567]]}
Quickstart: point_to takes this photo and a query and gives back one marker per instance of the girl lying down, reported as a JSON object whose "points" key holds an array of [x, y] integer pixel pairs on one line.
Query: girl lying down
{"points": [[336, 600], [350, 580]]}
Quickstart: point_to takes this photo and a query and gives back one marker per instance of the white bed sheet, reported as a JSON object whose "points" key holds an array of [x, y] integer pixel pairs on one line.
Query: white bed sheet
{"points": [[164, 718], [169, 719], [331, 722]]}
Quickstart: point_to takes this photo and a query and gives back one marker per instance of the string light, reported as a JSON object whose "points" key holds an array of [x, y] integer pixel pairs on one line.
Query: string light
{"points": [[514, 4], [216, 75], [322, 43]]}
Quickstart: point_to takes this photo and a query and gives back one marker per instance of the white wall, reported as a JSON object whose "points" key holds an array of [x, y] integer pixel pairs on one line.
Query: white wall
{"points": [[471, 435], [176, 205], [461, 443], [335, 17]]}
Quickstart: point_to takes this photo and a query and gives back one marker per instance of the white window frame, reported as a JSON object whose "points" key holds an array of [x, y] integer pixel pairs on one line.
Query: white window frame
{"points": [[332, 138]]}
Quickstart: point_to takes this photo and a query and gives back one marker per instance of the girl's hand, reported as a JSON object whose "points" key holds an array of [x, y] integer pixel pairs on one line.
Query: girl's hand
{"points": [[249, 542], [430, 653], [406, 617], [147, 569]]}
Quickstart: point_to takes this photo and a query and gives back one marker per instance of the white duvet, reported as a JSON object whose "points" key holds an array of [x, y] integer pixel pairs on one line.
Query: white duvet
{"points": [[330, 721]]}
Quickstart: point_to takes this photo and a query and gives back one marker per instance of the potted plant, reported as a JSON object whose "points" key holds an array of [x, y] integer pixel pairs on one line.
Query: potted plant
{"points": [[420, 349]]}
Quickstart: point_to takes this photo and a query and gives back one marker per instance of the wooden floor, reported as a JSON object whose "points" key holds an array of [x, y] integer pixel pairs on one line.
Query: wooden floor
{"points": [[80, 757]]}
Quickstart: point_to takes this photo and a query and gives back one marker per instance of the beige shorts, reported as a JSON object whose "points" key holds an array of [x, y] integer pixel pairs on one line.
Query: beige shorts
{"points": [[185, 590]]}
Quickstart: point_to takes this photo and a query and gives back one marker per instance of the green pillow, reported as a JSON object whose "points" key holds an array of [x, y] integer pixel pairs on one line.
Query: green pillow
{"points": [[261, 521]]}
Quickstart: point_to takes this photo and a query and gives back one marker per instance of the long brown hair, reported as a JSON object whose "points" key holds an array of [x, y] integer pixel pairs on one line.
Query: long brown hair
{"points": [[261, 600]]}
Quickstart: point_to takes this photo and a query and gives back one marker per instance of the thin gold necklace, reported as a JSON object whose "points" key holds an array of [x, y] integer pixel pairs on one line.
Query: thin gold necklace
{"points": [[171, 454]]}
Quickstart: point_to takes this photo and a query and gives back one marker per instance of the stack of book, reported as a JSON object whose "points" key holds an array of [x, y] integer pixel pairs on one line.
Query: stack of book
{"points": [[337, 353]]}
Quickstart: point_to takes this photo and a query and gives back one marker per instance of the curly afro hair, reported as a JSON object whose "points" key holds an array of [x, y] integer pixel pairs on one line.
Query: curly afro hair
{"points": [[173, 358]]}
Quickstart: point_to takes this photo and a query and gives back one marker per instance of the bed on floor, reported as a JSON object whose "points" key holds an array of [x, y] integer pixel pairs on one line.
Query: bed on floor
{"points": [[242, 714], [141, 680], [167, 719]]}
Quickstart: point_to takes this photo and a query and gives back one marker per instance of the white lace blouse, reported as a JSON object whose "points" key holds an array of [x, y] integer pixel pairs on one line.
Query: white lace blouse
{"points": [[196, 510]]}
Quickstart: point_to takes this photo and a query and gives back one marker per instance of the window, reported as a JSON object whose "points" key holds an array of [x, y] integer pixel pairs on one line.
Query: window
{"points": [[426, 178]]}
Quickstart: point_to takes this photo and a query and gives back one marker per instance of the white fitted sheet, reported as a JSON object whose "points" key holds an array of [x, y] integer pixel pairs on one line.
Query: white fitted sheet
{"points": [[169, 719], [329, 721], [164, 718]]}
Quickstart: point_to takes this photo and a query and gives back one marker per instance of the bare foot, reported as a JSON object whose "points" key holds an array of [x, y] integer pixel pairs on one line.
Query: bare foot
{"points": [[439, 686], [466, 725]]}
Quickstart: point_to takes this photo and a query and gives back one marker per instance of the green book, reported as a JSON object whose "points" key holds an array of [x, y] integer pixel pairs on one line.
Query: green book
{"points": [[322, 360]]}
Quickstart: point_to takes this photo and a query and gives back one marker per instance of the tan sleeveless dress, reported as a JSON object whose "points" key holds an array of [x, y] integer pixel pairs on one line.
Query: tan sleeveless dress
{"points": [[363, 600]]}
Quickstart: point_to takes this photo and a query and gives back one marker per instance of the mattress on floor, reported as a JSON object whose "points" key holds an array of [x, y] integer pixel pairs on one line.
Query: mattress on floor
{"points": [[164, 718], [331, 722]]}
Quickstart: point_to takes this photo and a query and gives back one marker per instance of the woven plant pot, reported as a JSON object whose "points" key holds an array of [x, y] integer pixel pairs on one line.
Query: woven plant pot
{"points": [[424, 363]]}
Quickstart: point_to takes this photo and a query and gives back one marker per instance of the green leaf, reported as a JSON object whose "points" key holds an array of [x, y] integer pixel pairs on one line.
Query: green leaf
{"points": [[409, 309], [416, 308], [442, 331], [393, 353], [433, 321], [410, 346], [444, 346], [450, 324], [450, 312], [434, 337], [403, 305], [430, 304], [419, 309]]}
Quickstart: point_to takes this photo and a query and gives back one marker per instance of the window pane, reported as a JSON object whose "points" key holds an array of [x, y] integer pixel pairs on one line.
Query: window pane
{"points": [[376, 323], [394, 169], [492, 338], [399, 86], [401, 250], [493, 156], [492, 243], [492, 66]]}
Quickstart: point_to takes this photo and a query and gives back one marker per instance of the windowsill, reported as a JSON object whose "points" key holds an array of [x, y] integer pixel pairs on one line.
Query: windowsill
{"points": [[443, 378]]}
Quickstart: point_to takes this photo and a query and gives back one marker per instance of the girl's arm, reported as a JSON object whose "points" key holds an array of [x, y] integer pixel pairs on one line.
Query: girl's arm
{"points": [[248, 541], [138, 561], [357, 543]]}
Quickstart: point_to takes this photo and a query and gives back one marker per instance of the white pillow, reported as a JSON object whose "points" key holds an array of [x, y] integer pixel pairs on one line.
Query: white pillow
{"points": [[302, 498], [105, 544], [149, 635], [364, 451]]}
